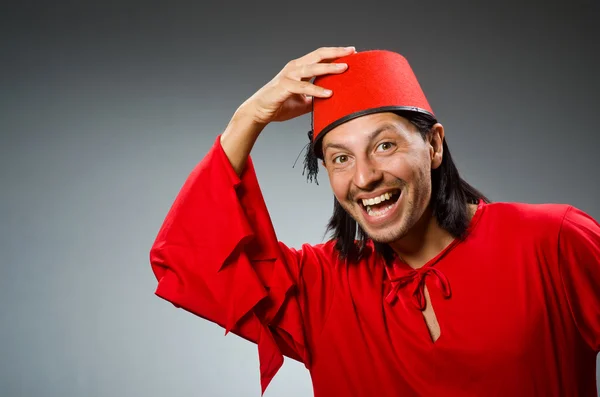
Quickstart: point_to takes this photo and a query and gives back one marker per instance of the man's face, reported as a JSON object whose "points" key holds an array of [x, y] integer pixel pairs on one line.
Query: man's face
{"points": [[379, 168]]}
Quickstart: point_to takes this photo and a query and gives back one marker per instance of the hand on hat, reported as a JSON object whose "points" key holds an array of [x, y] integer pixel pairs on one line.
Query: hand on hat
{"points": [[289, 94]]}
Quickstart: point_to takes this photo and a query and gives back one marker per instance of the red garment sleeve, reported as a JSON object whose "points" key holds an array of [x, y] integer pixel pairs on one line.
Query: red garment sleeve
{"points": [[217, 256], [579, 261]]}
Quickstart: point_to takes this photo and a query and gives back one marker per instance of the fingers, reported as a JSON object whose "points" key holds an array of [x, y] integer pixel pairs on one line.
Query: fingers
{"points": [[315, 63], [324, 54], [305, 88], [307, 71]]}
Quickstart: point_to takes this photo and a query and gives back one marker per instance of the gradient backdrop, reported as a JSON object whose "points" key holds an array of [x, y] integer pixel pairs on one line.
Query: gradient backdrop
{"points": [[106, 108]]}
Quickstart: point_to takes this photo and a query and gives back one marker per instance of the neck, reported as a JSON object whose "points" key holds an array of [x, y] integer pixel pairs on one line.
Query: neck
{"points": [[425, 240]]}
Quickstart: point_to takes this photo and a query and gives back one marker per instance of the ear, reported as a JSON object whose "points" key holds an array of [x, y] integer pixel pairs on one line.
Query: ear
{"points": [[436, 145]]}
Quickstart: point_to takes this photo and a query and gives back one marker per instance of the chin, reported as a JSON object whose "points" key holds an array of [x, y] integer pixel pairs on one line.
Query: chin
{"points": [[387, 235]]}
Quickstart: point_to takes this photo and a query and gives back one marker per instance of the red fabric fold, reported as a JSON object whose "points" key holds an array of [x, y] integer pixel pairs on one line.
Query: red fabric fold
{"points": [[217, 255]]}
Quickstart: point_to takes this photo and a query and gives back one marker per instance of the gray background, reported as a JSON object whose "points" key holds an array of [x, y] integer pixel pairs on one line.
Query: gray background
{"points": [[106, 108]]}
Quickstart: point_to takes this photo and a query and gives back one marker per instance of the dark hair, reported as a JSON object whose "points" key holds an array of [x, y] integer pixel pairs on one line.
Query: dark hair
{"points": [[449, 196]]}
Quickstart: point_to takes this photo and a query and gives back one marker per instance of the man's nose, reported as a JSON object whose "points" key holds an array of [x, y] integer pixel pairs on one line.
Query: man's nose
{"points": [[366, 174]]}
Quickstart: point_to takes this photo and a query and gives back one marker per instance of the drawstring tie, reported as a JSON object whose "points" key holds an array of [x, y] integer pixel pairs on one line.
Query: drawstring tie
{"points": [[417, 278]]}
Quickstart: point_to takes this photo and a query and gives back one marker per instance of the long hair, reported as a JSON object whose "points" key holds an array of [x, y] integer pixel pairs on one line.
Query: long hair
{"points": [[449, 196]]}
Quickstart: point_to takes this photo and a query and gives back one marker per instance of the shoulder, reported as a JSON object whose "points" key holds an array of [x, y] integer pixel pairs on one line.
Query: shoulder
{"points": [[329, 250], [523, 224], [527, 233], [543, 220], [325, 251], [318, 256], [518, 214], [326, 254]]}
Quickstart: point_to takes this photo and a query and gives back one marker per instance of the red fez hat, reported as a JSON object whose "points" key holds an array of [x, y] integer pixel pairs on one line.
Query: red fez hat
{"points": [[375, 81]]}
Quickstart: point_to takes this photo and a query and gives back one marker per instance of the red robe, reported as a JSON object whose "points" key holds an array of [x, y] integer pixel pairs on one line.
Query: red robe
{"points": [[517, 301]]}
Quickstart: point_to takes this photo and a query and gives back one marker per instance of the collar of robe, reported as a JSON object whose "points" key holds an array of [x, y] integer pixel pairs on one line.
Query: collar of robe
{"points": [[415, 278]]}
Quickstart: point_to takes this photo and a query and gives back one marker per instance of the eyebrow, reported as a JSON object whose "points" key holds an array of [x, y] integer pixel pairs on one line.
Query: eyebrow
{"points": [[371, 137]]}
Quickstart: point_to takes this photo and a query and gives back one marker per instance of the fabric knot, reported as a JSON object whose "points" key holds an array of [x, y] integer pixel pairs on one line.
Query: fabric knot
{"points": [[417, 278]]}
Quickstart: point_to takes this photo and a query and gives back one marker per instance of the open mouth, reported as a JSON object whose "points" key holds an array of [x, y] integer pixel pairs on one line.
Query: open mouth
{"points": [[380, 205]]}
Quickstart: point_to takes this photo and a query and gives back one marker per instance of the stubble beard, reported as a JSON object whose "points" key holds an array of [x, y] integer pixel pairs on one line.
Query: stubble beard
{"points": [[397, 229], [416, 202]]}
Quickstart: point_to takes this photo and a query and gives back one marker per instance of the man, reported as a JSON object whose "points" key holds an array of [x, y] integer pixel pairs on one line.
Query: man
{"points": [[425, 289]]}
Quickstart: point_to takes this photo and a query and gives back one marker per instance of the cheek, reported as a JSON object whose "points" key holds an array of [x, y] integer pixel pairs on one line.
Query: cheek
{"points": [[422, 179], [339, 185], [407, 168]]}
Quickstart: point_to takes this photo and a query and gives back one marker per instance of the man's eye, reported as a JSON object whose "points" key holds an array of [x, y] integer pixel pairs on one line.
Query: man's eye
{"points": [[385, 146], [340, 159]]}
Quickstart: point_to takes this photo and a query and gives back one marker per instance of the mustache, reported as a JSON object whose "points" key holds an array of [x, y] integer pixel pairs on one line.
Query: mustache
{"points": [[398, 184]]}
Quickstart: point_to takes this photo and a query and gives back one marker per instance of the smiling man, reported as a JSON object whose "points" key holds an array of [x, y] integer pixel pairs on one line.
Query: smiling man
{"points": [[425, 288]]}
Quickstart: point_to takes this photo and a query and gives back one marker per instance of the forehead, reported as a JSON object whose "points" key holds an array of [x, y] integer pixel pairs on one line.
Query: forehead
{"points": [[364, 126]]}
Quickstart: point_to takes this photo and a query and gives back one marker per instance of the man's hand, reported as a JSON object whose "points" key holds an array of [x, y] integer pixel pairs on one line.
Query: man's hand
{"points": [[289, 94]]}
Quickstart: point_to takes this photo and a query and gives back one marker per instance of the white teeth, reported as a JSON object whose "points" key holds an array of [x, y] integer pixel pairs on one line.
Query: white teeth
{"points": [[376, 200], [379, 213]]}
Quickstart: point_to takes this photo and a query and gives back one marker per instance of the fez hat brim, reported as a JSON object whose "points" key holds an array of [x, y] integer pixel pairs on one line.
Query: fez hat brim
{"points": [[383, 109]]}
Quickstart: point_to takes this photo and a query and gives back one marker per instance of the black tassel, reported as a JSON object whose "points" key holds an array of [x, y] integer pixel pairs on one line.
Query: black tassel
{"points": [[311, 163]]}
